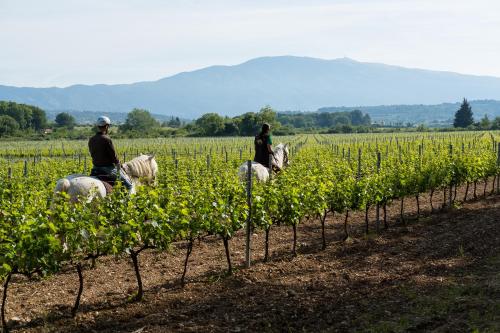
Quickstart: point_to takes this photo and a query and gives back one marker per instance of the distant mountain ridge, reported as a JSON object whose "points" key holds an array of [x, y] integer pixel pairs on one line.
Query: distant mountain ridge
{"points": [[285, 83]]}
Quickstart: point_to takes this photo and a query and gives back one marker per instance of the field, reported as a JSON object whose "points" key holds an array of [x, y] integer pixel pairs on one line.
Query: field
{"points": [[359, 233]]}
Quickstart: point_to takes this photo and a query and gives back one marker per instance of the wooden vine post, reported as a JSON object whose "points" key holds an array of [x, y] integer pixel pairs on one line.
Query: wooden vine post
{"points": [[498, 166], [378, 204], [359, 163], [249, 218], [25, 170], [451, 183]]}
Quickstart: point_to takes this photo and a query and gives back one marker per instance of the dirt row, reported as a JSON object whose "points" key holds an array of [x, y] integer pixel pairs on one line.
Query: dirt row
{"points": [[421, 275]]}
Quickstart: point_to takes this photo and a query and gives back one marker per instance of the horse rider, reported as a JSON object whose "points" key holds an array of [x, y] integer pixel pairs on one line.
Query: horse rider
{"points": [[106, 165], [263, 146]]}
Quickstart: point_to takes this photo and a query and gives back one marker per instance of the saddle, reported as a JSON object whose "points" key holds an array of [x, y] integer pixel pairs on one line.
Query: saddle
{"points": [[108, 182]]}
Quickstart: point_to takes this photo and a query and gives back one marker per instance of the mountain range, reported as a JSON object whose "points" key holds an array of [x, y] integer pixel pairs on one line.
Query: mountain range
{"points": [[284, 83]]}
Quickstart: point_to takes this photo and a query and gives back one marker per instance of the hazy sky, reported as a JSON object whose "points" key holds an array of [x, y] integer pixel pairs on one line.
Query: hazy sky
{"points": [[63, 42]]}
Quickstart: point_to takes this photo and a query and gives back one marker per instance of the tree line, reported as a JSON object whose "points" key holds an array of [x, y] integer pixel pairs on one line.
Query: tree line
{"points": [[249, 123], [21, 120], [16, 117]]}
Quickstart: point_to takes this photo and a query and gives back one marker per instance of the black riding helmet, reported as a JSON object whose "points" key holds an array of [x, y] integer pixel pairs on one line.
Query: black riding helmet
{"points": [[265, 127]]}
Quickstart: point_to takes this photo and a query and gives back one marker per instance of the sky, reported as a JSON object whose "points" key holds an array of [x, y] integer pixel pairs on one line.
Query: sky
{"points": [[64, 42]]}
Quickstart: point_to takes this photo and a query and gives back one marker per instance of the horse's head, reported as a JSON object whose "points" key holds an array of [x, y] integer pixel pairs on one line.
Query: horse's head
{"points": [[281, 152], [154, 167], [286, 152], [142, 168]]}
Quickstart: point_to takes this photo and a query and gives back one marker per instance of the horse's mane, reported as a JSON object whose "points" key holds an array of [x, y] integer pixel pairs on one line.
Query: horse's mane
{"points": [[141, 167], [279, 147]]}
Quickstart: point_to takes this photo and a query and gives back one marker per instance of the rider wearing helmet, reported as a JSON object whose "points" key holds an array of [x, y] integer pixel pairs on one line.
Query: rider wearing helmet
{"points": [[263, 146], [104, 159]]}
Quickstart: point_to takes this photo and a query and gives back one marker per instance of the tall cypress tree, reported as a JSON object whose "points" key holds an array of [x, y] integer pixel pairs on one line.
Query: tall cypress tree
{"points": [[463, 117]]}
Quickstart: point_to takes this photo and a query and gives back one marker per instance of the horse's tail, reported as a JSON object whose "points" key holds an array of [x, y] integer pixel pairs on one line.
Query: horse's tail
{"points": [[62, 185], [259, 172]]}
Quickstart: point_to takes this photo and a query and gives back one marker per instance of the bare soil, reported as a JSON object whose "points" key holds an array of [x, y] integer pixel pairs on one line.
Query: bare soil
{"points": [[437, 273]]}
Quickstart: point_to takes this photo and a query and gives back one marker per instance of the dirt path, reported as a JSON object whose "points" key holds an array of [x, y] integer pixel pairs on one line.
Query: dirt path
{"points": [[440, 273]]}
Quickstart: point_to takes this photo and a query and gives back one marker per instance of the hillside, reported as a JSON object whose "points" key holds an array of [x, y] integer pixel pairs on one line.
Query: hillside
{"points": [[285, 83]]}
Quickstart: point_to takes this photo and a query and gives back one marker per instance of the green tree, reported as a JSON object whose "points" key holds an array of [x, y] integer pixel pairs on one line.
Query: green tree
{"points": [[346, 129], [342, 120], [356, 118], [463, 117], [139, 120], [300, 121], [210, 124], [248, 124], [485, 122], [64, 119], [38, 119], [326, 119], [267, 115], [495, 124], [174, 122], [8, 125], [231, 128], [367, 120], [26, 116]]}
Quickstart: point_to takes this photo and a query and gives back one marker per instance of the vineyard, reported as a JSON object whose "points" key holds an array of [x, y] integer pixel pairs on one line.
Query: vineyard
{"points": [[199, 194]]}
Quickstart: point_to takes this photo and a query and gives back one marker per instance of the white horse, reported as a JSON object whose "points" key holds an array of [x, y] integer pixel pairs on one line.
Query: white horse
{"points": [[260, 172], [141, 168]]}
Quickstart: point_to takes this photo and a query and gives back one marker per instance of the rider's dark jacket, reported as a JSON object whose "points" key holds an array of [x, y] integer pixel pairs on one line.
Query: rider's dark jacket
{"points": [[102, 150], [261, 152], [105, 160]]}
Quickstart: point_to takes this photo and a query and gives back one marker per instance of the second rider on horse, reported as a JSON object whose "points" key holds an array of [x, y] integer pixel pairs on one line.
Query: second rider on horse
{"points": [[263, 146], [106, 165]]}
